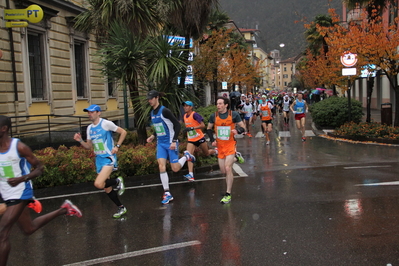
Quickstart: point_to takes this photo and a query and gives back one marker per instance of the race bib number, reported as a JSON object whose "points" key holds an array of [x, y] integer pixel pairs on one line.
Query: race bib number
{"points": [[223, 132], [265, 113], [192, 134], [299, 110], [98, 146], [6, 170], [159, 129]]}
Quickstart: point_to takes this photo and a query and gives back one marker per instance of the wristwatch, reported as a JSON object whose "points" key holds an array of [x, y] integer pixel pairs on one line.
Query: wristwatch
{"points": [[118, 146]]}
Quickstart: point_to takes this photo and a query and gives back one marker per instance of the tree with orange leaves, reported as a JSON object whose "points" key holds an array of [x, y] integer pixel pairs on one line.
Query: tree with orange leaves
{"points": [[221, 59], [236, 68], [375, 43]]}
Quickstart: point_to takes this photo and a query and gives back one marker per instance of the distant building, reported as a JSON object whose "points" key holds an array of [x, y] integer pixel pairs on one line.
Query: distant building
{"points": [[259, 56]]}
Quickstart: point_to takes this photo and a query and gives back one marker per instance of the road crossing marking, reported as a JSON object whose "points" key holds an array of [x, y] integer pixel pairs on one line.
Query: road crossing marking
{"points": [[239, 170], [136, 253]]}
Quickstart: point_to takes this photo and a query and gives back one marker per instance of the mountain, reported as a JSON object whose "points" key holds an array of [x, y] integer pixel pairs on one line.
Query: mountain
{"points": [[278, 21]]}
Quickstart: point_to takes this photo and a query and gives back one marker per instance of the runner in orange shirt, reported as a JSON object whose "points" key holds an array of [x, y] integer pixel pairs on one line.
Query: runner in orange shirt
{"points": [[223, 122], [194, 126], [265, 111]]}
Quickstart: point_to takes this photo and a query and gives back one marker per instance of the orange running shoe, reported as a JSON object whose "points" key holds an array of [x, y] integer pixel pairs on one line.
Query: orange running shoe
{"points": [[35, 205], [249, 135]]}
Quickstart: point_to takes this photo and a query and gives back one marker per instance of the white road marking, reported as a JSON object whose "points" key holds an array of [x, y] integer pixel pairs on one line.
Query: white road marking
{"points": [[235, 166], [392, 183], [309, 133], [135, 253], [239, 170], [284, 134], [368, 166], [259, 135]]}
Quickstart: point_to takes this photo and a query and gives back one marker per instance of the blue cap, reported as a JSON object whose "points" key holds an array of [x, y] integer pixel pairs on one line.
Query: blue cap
{"points": [[92, 108], [189, 103]]}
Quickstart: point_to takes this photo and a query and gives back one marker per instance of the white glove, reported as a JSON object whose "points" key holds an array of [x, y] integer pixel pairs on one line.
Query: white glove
{"points": [[294, 112]]}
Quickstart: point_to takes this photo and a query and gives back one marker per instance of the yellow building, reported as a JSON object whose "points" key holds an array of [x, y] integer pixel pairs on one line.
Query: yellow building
{"points": [[55, 71], [259, 56], [285, 72]]}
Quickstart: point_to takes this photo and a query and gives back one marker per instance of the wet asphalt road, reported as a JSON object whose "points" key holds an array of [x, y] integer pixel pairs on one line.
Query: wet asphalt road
{"points": [[319, 202]]}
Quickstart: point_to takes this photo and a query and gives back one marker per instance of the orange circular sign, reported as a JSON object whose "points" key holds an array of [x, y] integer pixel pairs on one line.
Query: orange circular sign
{"points": [[348, 59]]}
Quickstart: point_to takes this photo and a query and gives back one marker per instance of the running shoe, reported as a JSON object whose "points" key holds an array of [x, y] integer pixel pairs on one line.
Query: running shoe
{"points": [[121, 211], [249, 135], [167, 197], [121, 186], [239, 157], [35, 205], [303, 139], [268, 142], [189, 156], [72, 210], [189, 177], [226, 199]]}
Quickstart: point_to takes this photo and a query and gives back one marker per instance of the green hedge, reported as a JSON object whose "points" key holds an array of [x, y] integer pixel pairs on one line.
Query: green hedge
{"points": [[66, 166], [333, 112]]}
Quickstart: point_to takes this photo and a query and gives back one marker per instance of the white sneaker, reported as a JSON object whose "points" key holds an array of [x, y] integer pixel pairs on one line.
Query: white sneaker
{"points": [[268, 142]]}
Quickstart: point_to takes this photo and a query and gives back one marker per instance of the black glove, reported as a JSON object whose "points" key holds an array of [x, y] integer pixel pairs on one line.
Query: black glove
{"points": [[188, 129], [240, 130], [210, 135]]}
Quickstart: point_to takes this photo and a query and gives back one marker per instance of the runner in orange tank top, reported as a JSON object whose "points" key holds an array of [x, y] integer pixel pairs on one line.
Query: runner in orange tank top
{"points": [[194, 125], [224, 123]]}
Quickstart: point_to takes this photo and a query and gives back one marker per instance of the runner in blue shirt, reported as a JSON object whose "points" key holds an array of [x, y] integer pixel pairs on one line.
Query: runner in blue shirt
{"points": [[167, 129], [99, 138]]}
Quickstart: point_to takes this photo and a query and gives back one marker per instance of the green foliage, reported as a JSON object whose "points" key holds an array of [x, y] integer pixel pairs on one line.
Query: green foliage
{"points": [[371, 130], [65, 166], [205, 112], [333, 112]]}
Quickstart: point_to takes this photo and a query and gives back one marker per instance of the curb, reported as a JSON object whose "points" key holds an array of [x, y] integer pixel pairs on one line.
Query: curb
{"points": [[331, 136]]}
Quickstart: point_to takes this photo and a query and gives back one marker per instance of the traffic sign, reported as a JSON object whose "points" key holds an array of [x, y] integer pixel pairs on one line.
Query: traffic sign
{"points": [[348, 59], [32, 13], [349, 71]]}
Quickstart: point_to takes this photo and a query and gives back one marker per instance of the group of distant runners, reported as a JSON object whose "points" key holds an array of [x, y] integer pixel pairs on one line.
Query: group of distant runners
{"points": [[18, 164], [265, 106]]}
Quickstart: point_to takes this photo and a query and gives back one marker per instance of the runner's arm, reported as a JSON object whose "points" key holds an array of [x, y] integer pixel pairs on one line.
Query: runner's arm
{"points": [[176, 125], [25, 152]]}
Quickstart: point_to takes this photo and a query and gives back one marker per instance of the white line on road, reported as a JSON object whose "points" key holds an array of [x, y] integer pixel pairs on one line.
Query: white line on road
{"points": [[135, 253], [239, 171], [236, 168], [368, 166], [392, 183]]}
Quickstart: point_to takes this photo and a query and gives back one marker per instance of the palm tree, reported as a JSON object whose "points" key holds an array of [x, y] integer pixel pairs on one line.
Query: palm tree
{"points": [[189, 20], [316, 42], [141, 17]]}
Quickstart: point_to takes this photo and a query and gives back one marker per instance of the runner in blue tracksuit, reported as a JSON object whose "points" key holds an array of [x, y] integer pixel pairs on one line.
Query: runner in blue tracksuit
{"points": [[167, 129]]}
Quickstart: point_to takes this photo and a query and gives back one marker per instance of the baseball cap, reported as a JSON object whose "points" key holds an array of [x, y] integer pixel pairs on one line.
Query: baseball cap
{"points": [[243, 95], [264, 96], [151, 94], [189, 103], [92, 108]]}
